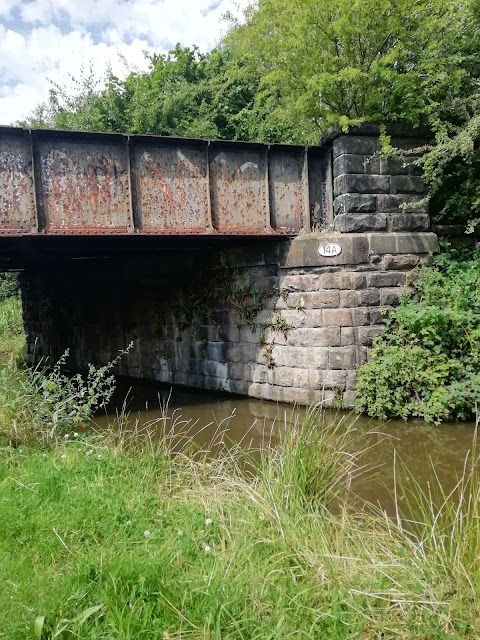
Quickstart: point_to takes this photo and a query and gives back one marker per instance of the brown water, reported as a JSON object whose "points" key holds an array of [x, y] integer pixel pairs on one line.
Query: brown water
{"points": [[418, 445]]}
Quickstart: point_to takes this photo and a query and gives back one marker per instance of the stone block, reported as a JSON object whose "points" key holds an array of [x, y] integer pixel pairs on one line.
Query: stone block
{"points": [[295, 395], [237, 371], [317, 357], [257, 390], [343, 280], [324, 337], [264, 316], [351, 380], [359, 183], [325, 299], [262, 374], [297, 301], [306, 253], [338, 318], [373, 165], [383, 279], [294, 318], [348, 399], [217, 351], [342, 358], [355, 203], [363, 354], [328, 379], [415, 167], [348, 336], [295, 357], [409, 221], [325, 398], [272, 335], [377, 316], [298, 338], [407, 143], [346, 317], [361, 298], [408, 184], [356, 222], [348, 163], [411, 243], [395, 166], [359, 145], [240, 387], [249, 352], [313, 318], [390, 297], [290, 377], [408, 261], [292, 282], [366, 335], [401, 203]]}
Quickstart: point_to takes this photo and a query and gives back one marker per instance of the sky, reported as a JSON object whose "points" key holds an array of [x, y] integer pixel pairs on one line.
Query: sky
{"points": [[50, 40]]}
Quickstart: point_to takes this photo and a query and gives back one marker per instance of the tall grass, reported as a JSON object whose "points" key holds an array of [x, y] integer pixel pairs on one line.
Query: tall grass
{"points": [[111, 536], [128, 535], [12, 337], [447, 523]]}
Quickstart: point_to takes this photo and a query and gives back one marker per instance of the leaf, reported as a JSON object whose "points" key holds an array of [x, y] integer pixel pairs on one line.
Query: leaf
{"points": [[82, 617], [38, 627]]}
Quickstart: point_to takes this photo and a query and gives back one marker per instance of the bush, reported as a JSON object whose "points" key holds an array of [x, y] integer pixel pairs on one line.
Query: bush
{"points": [[427, 364], [8, 285]]}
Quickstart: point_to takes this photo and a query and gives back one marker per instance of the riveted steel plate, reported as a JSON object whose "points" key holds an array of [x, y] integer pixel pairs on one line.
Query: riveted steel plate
{"points": [[287, 199], [238, 194], [17, 210], [171, 188], [84, 186]]}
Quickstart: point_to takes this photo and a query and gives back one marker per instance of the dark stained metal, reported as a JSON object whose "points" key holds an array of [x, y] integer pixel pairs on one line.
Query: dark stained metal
{"points": [[286, 195], [238, 189], [171, 187], [73, 183], [17, 208]]}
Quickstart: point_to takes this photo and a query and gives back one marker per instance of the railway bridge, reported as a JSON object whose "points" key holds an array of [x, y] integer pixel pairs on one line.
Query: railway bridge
{"points": [[259, 269]]}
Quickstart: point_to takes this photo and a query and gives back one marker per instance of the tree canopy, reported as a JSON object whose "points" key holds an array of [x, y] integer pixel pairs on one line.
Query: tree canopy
{"points": [[292, 68]]}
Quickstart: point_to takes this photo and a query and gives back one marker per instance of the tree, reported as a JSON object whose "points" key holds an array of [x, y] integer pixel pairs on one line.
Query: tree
{"points": [[347, 61]]}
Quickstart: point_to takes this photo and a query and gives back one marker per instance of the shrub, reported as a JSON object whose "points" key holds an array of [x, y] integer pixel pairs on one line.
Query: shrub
{"points": [[427, 364], [8, 285]]}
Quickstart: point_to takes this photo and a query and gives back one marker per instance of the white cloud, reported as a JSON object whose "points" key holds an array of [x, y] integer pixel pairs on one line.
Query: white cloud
{"points": [[54, 38]]}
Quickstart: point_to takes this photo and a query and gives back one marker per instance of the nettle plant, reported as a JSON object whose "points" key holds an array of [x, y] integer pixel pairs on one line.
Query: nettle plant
{"points": [[427, 364]]}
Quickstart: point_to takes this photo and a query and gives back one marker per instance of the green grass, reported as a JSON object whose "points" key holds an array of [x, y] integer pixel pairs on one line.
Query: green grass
{"points": [[114, 536], [12, 337]]}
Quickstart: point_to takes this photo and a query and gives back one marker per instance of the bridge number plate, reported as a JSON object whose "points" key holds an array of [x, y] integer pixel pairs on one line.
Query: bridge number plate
{"points": [[329, 250]]}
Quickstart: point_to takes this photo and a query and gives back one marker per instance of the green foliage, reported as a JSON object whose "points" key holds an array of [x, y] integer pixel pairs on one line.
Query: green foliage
{"points": [[44, 403], [8, 285], [47, 404], [12, 337], [428, 362], [184, 93], [138, 540], [343, 62]]}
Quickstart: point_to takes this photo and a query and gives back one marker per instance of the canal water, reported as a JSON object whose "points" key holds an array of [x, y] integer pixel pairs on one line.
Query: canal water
{"points": [[424, 452]]}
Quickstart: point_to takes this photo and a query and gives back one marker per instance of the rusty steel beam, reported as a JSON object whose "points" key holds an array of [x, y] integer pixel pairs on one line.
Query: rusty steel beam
{"points": [[75, 183]]}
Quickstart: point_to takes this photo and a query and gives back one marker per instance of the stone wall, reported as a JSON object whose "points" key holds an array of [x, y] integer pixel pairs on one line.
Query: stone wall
{"points": [[373, 192], [318, 317]]}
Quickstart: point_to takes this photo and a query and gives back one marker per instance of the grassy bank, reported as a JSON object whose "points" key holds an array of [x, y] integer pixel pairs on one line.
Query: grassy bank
{"points": [[112, 536]]}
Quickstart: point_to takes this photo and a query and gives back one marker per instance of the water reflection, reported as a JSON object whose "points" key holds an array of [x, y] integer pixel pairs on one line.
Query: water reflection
{"points": [[419, 446]]}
